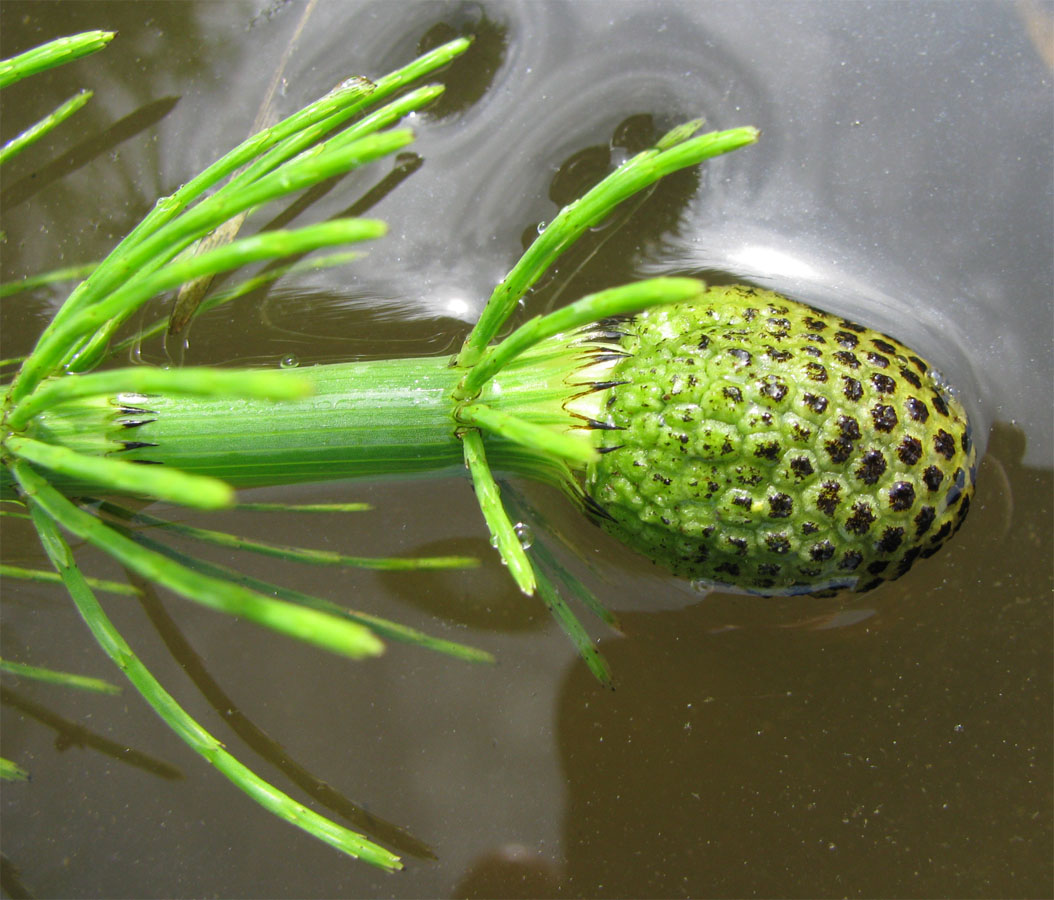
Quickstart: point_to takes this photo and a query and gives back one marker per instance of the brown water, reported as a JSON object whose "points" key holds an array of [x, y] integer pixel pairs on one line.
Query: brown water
{"points": [[894, 744]]}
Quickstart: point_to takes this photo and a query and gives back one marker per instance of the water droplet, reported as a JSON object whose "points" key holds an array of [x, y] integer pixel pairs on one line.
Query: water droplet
{"points": [[542, 226], [289, 361], [702, 587], [524, 533], [944, 387]]}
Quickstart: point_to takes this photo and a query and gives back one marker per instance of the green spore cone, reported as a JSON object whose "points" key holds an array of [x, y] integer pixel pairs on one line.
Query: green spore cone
{"points": [[754, 443]]}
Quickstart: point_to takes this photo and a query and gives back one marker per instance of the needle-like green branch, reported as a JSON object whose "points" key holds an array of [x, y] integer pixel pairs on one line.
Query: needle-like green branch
{"points": [[54, 53], [673, 152], [503, 532], [203, 743], [328, 632], [38, 129]]}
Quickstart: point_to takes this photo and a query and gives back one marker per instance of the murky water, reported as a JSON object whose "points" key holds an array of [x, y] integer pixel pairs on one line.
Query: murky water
{"points": [[895, 744]]}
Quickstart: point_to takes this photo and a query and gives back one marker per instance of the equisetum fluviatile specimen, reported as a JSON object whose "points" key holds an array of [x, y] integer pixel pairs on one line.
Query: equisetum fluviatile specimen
{"points": [[734, 436]]}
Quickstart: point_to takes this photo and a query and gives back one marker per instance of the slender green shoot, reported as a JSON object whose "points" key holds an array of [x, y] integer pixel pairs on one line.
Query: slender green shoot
{"points": [[54, 53], [337, 635], [37, 130], [243, 287], [69, 273], [583, 594], [159, 482], [305, 507], [502, 531], [592, 657], [126, 280], [193, 382], [10, 771], [192, 294], [384, 628], [112, 281], [45, 577], [100, 311], [424, 65], [567, 446], [203, 743], [353, 95], [615, 301], [547, 567], [544, 558], [374, 122], [296, 554], [52, 676], [671, 154]]}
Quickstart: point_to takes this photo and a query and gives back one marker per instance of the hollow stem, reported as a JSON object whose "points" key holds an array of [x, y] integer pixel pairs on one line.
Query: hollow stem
{"points": [[362, 419]]}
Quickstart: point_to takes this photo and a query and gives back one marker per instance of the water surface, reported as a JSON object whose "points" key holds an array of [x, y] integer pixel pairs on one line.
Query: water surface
{"points": [[893, 744]]}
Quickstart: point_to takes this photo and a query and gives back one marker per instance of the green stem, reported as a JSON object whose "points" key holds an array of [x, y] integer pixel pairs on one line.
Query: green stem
{"points": [[389, 417], [362, 419]]}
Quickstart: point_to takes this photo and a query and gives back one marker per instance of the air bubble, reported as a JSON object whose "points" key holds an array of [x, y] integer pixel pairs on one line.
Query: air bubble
{"points": [[943, 386], [289, 361], [525, 534]]}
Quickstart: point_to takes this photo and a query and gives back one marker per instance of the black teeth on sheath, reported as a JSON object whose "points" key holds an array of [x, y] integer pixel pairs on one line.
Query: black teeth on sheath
{"points": [[593, 508], [601, 426], [608, 336], [614, 322], [600, 355]]}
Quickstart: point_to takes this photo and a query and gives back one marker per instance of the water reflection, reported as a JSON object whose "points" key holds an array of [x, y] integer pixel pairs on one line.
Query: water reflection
{"points": [[468, 78]]}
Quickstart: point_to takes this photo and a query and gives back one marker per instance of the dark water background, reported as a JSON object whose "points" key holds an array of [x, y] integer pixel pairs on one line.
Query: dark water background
{"points": [[896, 744]]}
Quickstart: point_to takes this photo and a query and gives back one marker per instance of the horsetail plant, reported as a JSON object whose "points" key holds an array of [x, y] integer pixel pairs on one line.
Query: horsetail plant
{"points": [[734, 436]]}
